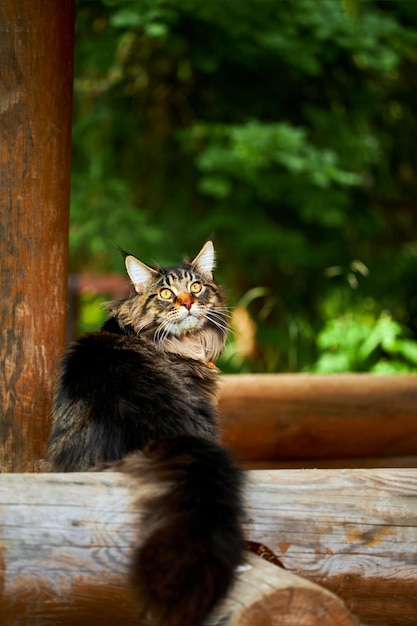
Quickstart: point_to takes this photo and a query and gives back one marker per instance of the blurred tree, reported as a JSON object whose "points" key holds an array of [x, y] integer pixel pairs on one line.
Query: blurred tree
{"points": [[287, 128]]}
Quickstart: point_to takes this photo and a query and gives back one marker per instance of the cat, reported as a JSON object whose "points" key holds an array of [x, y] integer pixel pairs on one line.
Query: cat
{"points": [[140, 396]]}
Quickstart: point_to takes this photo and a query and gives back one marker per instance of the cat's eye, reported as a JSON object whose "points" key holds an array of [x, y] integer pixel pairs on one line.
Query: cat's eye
{"points": [[196, 287], [166, 294]]}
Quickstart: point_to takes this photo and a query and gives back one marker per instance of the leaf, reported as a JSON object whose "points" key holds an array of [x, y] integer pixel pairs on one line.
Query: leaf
{"points": [[126, 18], [408, 349]]}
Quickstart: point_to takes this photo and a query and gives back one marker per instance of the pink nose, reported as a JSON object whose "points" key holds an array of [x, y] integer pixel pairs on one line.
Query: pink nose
{"points": [[185, 299]]}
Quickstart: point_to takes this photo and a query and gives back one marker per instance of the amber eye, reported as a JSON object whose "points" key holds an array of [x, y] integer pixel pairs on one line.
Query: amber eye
{"points": [[166, 294], [196, 287]]}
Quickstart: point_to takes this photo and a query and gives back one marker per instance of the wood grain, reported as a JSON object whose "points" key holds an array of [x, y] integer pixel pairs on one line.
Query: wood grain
{"points": [[352, 531], [266, 595], [273, 418], [36, 43], [66, 542]]}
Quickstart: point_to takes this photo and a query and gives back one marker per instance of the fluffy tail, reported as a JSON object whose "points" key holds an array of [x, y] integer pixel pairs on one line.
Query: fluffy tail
{"points": [[191, 539]]}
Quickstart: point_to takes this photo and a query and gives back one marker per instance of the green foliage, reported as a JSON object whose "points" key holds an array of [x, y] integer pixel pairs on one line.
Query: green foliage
{"points": [[93, 314], [246, 154], [111, 217], [356, 343], [287, 128]]}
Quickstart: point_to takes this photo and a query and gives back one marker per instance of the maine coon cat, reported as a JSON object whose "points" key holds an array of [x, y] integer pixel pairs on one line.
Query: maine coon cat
{"points": [[142, 392]]}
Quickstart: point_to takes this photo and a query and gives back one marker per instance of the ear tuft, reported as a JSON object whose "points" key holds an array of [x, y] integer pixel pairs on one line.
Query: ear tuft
{"points": [[204, 262], [139, 273]]}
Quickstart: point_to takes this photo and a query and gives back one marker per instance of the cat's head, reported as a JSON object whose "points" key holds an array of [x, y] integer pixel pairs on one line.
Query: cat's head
{"points": [[182, 308]]}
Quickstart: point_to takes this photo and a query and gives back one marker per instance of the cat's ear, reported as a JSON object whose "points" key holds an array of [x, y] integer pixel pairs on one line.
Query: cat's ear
{"points": [[205, 260], [139, 273]]}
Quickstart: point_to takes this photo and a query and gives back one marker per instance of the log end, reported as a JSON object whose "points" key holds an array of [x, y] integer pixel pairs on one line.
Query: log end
{"points": [[267, 595]]}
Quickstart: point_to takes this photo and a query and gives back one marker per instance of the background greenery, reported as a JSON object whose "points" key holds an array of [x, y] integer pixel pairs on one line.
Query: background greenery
{"points": [[288, 129]]}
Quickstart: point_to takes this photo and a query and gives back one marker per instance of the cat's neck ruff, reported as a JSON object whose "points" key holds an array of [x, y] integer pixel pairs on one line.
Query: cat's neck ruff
{"points": [[205, 345]]}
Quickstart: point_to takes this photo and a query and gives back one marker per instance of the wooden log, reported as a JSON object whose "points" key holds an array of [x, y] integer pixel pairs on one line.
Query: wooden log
{"points": [[352, 531], [70, 537], [309, 416], [66, 543], [266, 595], [365, 462], [36, 43]]}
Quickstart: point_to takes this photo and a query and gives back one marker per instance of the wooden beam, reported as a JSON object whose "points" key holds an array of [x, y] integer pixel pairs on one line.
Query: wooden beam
{"points": [[277, 417], [66, 541], [66, 545], [353, 531], [36, 51]]}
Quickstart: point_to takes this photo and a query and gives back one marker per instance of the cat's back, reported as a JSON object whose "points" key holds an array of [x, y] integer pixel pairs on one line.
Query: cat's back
{"points": [[118, 392], [104, 358], [96, 357]]}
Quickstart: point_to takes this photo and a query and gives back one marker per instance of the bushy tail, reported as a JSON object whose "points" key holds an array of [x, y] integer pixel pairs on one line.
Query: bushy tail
{"points": [[191, 539]]}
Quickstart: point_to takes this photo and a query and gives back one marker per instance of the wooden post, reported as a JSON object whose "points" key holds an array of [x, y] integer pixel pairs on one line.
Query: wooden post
{"points": [[36, 52]]}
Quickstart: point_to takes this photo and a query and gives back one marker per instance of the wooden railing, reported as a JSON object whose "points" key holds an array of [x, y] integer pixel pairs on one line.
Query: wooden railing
{"points": [[67, 540], [346, 538], [309, 420]]}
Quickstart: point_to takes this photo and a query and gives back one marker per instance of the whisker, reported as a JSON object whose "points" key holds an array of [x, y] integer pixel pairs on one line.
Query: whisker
{"points": [[220, 323], [162, 331], [139, 328], [218, 315], [223, 310]]}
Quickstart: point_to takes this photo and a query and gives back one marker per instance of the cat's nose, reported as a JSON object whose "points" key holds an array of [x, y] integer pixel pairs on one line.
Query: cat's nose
{"points": [[184, 299]]}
